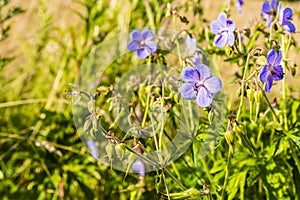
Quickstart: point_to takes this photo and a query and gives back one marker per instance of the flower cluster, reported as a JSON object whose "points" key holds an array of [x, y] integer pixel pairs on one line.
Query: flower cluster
{"points": [[224, 31], [272, 9], [199, 83]]}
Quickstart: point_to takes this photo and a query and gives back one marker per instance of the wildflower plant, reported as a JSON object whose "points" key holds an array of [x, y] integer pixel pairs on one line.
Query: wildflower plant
{"points": [[200, 107], [174, 101]]}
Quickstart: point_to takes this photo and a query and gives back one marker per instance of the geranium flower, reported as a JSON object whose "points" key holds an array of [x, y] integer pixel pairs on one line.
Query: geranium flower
{"points": [[273, 71], [139, 167], [199, 84], [285, 16], [223, 29], [239, 4], [142, 43], [269, 10]]}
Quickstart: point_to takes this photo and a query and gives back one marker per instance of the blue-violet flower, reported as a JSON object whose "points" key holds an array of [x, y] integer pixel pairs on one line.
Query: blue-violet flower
{"points": [[269, 10], [273, 70], [142, 42], [285, 17], [224, 30], [139, 167], [239, 4], [199, 84]]}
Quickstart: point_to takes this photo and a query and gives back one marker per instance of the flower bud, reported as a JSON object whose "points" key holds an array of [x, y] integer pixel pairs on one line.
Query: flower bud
{"points": [[261, 60], [109, 148], [120, 150], [229, 136]]}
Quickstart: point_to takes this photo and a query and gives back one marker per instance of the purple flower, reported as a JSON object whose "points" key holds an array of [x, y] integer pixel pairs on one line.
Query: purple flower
{"points": [[269, 10], [193, 56], [139, 167], [273, 71], [239, 4], [199, 84], [285, 16], [93, 148], [142, 43], [223, 29]]}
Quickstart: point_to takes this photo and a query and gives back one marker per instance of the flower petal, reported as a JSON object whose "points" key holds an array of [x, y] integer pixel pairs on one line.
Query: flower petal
{"points": [[216, 27], [190, 74], [152, 46], [147, 34], [230, 25], [269, 83], [187, 91], [287, 14], [277, 73], [204, 72], [266, 7], [204, 97], [289, 26], [274, 4], [136, 35], [269, 20], [133, 45], [230, 38], [142, 53], [213, 84], [190, 44], [263, 73], [222, 18], [274, 57], [221, 40]]}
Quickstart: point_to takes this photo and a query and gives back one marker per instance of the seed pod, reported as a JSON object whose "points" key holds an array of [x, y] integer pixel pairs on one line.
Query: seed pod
{"points": [[109, 148], [250, 94], [229, 136], [120, 150], [258, 96]]}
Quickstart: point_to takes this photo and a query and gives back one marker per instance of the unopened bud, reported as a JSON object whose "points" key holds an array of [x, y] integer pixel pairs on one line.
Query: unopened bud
{"points": [[109, 148], [120, 150], [229, 136], [261, 60]]}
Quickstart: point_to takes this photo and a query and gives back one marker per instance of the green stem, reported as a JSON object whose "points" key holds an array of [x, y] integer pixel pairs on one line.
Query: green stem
{"points": [[226, 175], [284, 49], [210, 178], [175, 179], [243, 89], [270, 106]]}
